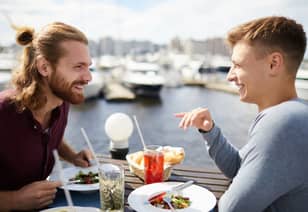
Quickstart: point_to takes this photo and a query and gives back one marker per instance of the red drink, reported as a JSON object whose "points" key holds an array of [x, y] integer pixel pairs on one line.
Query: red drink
{"points": [[153, 165]]}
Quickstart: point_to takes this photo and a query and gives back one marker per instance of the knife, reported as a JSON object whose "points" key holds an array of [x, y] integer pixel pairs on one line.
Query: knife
{"points": [[159, 195]]}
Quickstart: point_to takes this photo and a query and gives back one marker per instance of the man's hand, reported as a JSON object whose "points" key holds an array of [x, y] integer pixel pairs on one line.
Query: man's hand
{"points": [[35, 195], [199, 118], [83, 158]]}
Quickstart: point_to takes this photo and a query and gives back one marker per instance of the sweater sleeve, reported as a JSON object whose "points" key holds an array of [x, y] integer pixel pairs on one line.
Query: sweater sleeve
{"points": [[272, 165], [263, 177], [225, 155]]}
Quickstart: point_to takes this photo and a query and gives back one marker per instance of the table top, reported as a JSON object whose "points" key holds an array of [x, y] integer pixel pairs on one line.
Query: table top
{"points": [[211, 179]]}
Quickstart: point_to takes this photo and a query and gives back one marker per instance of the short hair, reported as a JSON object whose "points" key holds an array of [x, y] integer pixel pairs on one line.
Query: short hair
{"points": [[274, 33], [46, 43]]}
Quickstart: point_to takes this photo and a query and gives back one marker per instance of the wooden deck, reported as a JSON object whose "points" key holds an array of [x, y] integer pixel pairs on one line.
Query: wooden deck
{"points": [[211, 179]]}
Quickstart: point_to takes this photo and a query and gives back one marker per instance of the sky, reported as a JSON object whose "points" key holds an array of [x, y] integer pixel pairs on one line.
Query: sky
{"points": [[154, 20]]}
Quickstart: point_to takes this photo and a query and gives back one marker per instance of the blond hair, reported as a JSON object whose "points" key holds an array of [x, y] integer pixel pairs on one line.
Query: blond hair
{"points": [[26, 79], [270, 34]]}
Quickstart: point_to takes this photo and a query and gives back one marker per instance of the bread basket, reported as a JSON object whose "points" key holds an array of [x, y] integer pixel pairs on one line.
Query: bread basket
{"points": [[136, 166]]}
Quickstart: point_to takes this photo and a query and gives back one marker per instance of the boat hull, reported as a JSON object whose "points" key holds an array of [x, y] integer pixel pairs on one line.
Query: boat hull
{"points": [[145, 90], [144, 79]]}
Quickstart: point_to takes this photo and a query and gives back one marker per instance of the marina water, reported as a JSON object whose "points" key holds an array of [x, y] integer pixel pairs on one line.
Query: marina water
{"points": [[158, 124]]}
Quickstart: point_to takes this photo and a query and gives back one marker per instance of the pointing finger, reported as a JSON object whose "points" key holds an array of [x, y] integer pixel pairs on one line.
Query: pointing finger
{"points": [[180, 115]]}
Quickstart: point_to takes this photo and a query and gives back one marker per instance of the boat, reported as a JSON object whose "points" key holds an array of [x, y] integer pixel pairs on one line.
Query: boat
{"points": [[94, 87], [117, 92], [301, 84], [5, 78], [190, 74], [143, 78], [7, 63]]}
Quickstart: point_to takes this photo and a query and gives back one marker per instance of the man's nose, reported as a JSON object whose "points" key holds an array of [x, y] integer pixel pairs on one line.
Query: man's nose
{"points": [[88, 75], [231, 74]]}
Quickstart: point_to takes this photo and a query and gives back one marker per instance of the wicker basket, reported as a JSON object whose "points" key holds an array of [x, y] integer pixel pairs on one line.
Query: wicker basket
{"points": [[139, 170]]}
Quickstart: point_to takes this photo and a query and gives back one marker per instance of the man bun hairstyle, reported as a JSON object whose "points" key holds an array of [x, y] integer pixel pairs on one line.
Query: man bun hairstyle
{"points": [[24, 35]]}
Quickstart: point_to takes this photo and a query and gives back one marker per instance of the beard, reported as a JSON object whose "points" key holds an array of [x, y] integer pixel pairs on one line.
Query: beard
{"points": [[64, 90]]}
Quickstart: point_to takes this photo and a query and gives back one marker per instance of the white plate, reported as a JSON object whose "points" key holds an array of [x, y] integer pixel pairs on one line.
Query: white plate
{"points": [[77, 209], [201, 199], [71, 172]]}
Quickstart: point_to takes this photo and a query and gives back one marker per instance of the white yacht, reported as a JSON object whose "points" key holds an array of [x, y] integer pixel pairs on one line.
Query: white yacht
{"points": [[143, 78], [301, 83], [95, 86]]}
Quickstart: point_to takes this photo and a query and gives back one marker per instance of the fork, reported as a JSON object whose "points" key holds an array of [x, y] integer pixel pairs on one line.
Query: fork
{"points": [[167, 199], [72, 182], [77, 181], [175, 189]]}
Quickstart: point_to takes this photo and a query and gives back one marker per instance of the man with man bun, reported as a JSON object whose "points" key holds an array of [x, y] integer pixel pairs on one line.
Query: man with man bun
{"points": [[33, 114]]}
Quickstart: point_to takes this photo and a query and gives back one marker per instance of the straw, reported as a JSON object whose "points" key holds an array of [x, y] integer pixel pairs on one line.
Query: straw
{"points": [[66, 192], [139, 132], [90, 146]]}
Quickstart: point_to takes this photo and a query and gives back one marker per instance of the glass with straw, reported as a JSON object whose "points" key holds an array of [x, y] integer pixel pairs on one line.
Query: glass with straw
{"points": [[153, 160]]}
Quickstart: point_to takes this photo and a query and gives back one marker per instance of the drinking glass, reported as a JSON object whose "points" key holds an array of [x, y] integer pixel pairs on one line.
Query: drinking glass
{"points": [[112, 188], [153, 164]]}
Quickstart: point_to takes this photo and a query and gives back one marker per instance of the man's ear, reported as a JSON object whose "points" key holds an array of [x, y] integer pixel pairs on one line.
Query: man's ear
{"points": [[275, 61], [43, 66]]}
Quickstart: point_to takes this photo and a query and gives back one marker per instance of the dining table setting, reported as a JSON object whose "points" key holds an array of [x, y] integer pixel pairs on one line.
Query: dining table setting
{"points": [[208, 186], [150, 180]]}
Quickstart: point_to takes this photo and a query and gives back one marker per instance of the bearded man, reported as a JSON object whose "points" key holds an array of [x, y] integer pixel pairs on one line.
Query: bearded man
{"points": [[33, 114]]}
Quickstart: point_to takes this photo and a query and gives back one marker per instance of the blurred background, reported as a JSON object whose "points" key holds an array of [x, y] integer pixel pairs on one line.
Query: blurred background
{"points": [[152, 58]]}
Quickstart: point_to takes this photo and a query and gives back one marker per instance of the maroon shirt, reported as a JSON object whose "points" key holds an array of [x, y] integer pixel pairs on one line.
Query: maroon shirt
{"points": [[25, 148]]}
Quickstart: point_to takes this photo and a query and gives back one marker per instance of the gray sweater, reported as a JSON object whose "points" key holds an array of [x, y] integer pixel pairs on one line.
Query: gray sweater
{"points": [[270, 173]]}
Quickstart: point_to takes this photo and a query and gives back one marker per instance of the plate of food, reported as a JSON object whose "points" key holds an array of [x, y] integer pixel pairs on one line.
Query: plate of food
{"points": [[74, 209], [192, 199], [79, 179]]}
